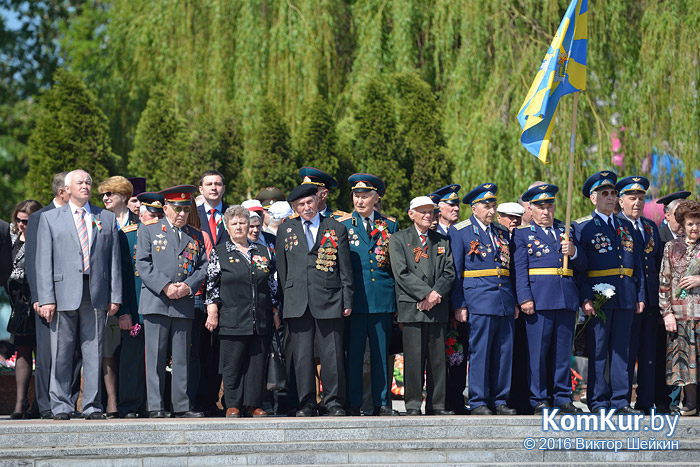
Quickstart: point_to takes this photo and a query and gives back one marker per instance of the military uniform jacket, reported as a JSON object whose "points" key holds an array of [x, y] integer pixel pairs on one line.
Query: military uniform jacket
{"points": [[534, 249], [605, 249], [473, 251], [369, 254], [652, 252], [162, 258], [320, 279], [418, 272], [131, 281]]}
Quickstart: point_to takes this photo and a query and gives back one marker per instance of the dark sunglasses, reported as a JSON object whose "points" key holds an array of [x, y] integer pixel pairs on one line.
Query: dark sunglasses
{"points": [[179, 209], [21, 221], [108, 194], [606, 193]]}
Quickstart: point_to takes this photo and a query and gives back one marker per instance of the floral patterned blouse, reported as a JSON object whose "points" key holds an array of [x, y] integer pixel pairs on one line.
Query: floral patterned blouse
{"points": [[214, 274], [681, 258]]}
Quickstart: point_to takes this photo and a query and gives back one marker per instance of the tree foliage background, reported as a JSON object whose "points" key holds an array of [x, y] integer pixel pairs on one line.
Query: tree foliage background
{"points": [[424, 92]]}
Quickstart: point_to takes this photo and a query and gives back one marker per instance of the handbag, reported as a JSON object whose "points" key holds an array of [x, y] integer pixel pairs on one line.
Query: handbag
{"points": [[21, 322], [276, 372]]}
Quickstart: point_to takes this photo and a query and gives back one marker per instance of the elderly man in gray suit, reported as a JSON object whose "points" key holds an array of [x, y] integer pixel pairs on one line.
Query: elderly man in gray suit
{"points": [[79, 282], [172, 263]]}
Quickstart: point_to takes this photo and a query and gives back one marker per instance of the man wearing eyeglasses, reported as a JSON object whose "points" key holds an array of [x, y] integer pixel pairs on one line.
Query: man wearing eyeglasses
{"points": [[613, 258], [172, 263]]}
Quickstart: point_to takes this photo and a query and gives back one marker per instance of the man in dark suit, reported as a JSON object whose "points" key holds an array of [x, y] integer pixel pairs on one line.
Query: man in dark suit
{"points": [[78, 276], [423, 269], [5, 252], [315, 275], [172, 262], [669, 228], [632, 192], [204, 379]]}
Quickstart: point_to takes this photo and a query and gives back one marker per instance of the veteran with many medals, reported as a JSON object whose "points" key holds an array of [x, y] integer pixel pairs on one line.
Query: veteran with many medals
{"points": [[171, 261]]}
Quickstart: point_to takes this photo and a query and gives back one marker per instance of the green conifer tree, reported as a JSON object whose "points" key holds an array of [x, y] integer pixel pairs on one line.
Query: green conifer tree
{"points": [[71, 132]]}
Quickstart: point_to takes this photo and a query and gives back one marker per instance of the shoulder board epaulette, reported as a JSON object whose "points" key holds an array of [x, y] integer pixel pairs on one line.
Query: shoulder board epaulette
{"points": [[293, 216], [392, 219], [344, 217], [340, 213], [130, 227], [524, 226], [152, 221], [583, 219], [463, 224]]}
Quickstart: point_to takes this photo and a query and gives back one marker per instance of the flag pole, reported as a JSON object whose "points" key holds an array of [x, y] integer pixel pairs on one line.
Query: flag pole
{"points": [[570, 187]]}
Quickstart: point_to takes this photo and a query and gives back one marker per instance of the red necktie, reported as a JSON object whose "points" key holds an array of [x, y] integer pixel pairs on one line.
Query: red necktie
{"points": [[212, 225]]}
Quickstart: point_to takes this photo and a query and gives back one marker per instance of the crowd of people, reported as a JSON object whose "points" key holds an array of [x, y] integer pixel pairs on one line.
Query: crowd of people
{"points": [[158, 299]]}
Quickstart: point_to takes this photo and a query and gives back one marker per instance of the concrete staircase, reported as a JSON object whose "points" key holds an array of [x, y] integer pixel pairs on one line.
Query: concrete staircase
{"points": [[401, 440]]}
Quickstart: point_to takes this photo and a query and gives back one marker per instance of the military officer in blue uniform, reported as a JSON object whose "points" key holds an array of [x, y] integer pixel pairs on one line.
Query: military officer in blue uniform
{"points": [[632, 192], [368, 234], [483, 289], [132, 367], [612, 256], [548, 297], [324, 182], [447, 201], [172, 263]]}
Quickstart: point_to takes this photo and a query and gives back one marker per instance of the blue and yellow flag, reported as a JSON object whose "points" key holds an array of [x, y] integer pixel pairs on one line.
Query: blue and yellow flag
{"points": [[562, 71]]}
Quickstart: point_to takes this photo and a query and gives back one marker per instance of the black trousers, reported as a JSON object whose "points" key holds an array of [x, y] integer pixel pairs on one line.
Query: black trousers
{"points": [[329, 335], [132, 374], [457, 375], [242, 367], [424, 350]]}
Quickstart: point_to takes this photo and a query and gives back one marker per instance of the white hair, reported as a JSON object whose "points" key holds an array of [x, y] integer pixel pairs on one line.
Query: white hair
{"points": [[71, 174], [142, 210]]}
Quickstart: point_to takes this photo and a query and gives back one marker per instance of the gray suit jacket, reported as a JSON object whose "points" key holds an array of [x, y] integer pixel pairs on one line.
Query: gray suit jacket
{"points": [[325, 293], [59, 265], [162, 258], [415, 280], [30, 249]]}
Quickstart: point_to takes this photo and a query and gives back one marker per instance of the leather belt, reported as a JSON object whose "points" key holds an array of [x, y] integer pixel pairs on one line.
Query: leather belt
{"points": [[611, 272], [551, 272], [487, 272]]}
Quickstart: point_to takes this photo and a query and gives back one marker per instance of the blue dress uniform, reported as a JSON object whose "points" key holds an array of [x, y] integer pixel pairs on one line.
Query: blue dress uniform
{"points": [[483, 285], [374, 300], [132, 365], [540, 277], [612, 259], [456, 374], [644, 325]]}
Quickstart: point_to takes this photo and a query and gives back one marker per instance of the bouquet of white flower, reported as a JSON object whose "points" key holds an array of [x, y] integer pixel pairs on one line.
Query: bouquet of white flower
{"points": [[603, 293]]}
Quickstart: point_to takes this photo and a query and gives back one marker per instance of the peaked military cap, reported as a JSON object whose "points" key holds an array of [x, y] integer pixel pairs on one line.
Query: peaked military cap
{"points": [[362, 183], [311, 175], [447, 194], [481, 194], [668, 198], [598, 181], [541, 193], [180, 195], [153, 201], [632, 185], [269, 195]]}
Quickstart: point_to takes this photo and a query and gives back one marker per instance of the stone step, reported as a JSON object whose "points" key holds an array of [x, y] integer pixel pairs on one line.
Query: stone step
{"points": [[324, 440]]}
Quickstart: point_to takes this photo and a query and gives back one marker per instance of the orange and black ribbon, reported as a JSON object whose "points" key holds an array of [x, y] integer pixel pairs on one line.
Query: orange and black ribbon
{"points": [[473, 247], [418, 253]]}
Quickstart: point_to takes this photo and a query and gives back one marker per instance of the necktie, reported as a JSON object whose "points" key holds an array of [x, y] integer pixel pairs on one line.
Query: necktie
{"points": [[611, 224], [212, 225], [552, 234], [424, 241], [639, 227], [83, 236], [309, 236], [368, 226]]}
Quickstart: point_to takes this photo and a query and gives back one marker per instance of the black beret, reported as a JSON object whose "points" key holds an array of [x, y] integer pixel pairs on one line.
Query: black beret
{"points": [[302, 191]]}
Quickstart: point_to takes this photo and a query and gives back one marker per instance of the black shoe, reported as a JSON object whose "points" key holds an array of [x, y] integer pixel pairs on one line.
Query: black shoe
{"points": [[539, 408], [628, 410], [46, 415], [61, 416], [354, 412], [213, 412], [385, 411], [442, 412], [674, 410], [505, 410], [569, 408], [112, 415], [158, 414], [188, 414], [16, 415], [645, 410], [600, 409], [482, 410], [336, 411], [307, 411], [96, 416], [131, 415], [413, 412], [75, 414]]}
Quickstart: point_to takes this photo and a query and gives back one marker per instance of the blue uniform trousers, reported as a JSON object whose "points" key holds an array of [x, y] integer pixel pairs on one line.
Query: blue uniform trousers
{"points": [[550, 337], [376, 327], [490, 359], [643, 351], [608, 342]]}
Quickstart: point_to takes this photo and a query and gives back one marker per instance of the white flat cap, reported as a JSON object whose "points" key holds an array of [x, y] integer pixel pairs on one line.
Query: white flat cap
{"points": [[421, 201], [280, 210], [511, 209]]}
